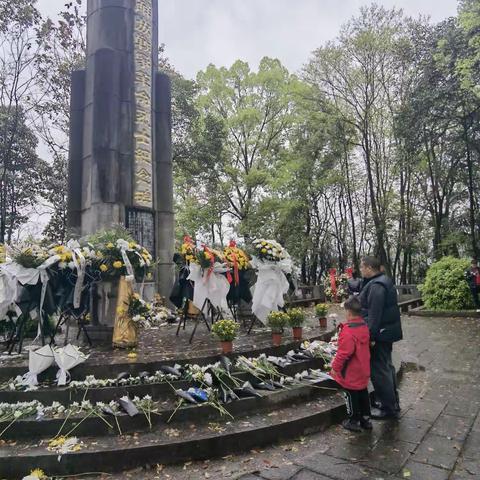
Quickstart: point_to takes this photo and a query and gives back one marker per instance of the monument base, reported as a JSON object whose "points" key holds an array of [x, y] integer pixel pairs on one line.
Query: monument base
{"points": [[99, 334]]}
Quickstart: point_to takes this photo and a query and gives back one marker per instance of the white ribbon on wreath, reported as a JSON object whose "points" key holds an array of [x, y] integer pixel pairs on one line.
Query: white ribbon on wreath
{"points": [[271, 286], [212, 286]]}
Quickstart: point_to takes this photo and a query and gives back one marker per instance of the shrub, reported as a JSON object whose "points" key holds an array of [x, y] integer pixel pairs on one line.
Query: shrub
{"points": [[321, 310], [225, 330], [277, 321], [296, 317], [445, 286]]}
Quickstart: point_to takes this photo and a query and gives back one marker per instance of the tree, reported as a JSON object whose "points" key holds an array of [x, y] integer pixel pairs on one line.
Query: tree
{"points": [[359, 73], [21, 39], [21, 173], [255, 110]]}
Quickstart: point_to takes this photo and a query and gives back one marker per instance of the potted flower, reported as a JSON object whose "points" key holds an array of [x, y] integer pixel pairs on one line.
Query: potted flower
{"points": [[277, 321], [296, 319], [321, 311], [225, 331]]}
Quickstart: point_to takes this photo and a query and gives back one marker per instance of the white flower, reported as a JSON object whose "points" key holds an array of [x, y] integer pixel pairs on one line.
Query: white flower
{"points": [[62, 265], [122, 244]]}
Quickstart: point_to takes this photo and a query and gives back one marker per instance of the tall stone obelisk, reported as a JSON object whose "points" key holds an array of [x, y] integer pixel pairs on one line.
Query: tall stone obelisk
{"points": [[120, 163]]}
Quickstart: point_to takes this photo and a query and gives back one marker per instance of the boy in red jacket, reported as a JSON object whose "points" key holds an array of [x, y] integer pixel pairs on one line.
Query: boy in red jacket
{"points": [[351, 366]]}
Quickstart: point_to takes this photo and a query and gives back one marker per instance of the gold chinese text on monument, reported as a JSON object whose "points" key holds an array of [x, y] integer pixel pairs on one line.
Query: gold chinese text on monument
{"points": [[142, 191]]}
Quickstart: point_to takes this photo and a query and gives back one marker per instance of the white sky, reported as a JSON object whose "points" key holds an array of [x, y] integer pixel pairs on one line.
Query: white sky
{"points": [[199, 32]]}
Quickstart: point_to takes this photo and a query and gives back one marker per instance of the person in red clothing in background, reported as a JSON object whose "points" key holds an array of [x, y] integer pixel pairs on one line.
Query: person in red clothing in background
{"points": [[473, 278], [351, 366]]}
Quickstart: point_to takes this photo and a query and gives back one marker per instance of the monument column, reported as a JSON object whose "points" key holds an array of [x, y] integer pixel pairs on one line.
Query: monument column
{"points": [[120, 173]]}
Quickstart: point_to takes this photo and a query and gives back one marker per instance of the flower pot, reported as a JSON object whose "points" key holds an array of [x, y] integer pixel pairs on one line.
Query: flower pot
{"points": [[227, 346], [323, 322], [297, 333], [276, 339]]}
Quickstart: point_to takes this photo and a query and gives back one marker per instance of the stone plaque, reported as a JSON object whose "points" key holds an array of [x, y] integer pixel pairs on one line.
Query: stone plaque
{"points": [[143, 50], [141, 224]]}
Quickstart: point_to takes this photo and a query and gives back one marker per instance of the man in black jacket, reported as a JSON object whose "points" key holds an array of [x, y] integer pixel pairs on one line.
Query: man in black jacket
{"points": [[380, 310]]}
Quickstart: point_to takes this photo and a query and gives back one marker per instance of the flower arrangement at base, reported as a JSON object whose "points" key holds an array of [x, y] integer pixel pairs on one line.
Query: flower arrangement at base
{"points": [[118, 254], [321, 311], [29, 254], [225, 330], [277, 322], [296, 319], [138, 310]]}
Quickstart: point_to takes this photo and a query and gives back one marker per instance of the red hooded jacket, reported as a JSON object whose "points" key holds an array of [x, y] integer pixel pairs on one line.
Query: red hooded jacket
{"points": [[352, 361]]}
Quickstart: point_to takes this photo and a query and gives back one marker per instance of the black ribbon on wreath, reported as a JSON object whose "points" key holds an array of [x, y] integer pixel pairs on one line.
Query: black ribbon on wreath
{"points": [[241, 291], [182, 288]]}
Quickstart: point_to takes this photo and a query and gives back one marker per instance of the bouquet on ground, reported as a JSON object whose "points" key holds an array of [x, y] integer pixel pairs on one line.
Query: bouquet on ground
{"points": [[139, 310]]}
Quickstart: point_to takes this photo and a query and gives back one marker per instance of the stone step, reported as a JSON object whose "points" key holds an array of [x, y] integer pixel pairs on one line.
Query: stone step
{"points": [[47, 428], [98, 366], [66, 395], [189, 440]]}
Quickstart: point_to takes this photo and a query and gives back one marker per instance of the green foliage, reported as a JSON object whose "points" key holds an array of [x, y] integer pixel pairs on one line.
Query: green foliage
{"points": [[321, 310], [277, 321], [225, 330], [445, 287], [296, 317]]}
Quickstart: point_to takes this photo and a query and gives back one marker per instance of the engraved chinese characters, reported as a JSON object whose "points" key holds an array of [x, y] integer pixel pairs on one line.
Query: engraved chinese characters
{"points": [[143, 192]]}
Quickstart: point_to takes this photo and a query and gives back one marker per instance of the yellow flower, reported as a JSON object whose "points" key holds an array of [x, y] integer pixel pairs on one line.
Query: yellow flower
{"points": [[110, 245], [264, 250], [132, 245], [132, 355], [38, 473], [99, 254], [117, 264], [103, 267], [264, 243], [120, 310]]}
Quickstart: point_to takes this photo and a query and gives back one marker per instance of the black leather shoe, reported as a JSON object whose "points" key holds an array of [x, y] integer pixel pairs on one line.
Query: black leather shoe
{"points": [[365, 423], [352, 425], [379, 414]]}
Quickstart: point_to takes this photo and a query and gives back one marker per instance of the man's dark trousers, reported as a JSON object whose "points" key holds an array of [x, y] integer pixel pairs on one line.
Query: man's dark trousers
{"points": [[383, 376]]}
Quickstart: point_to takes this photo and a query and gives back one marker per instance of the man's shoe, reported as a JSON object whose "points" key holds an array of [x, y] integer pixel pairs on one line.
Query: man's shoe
{"points": [[366, 423], [379, 414], [352, 425]]}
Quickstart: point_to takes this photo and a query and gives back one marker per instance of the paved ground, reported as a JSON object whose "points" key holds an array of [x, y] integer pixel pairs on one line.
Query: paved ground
{"points": [[437, 438]]}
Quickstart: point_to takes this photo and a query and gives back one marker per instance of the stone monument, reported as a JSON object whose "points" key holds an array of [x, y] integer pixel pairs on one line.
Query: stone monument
{"points": [[120, 161]]}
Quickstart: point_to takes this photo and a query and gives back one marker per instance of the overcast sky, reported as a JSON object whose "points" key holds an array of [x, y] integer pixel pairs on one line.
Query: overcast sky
{"points": [[199, 32]]}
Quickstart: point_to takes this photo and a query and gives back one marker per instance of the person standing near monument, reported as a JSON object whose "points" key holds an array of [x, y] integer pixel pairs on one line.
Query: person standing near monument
{"points": [[380, 311]]}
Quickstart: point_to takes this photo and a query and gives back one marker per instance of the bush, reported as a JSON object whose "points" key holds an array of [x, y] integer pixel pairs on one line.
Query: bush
{"points": [[296, 317], [225, 330], [277, 321], [445, 286]]}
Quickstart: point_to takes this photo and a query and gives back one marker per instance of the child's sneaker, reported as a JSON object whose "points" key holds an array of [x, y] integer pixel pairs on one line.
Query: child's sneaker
{"points": [[352, 425], [366, 423]]}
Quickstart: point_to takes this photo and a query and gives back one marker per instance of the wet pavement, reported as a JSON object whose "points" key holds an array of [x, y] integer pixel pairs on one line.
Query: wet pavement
{"points": [[437, 437]]}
